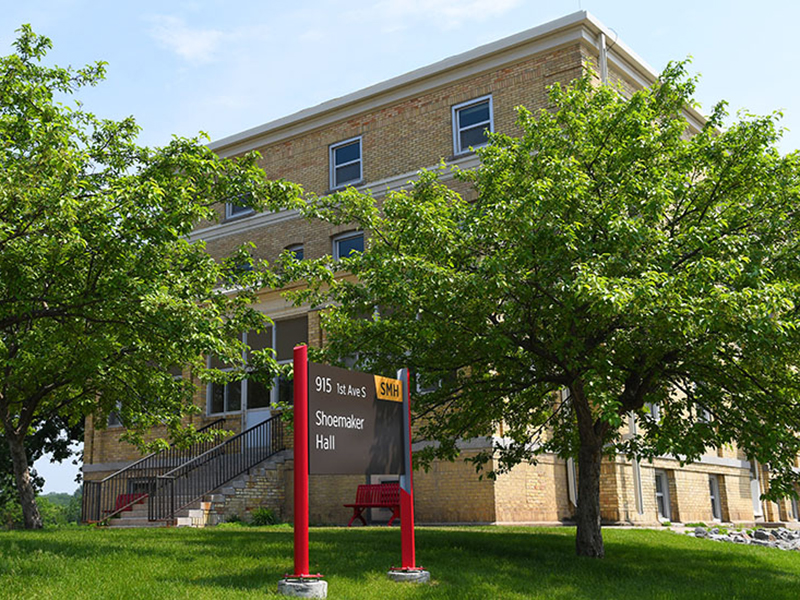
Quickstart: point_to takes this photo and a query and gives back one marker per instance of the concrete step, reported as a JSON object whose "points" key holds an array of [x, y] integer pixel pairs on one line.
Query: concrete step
{"points": [[196, 514], [134, 522]]}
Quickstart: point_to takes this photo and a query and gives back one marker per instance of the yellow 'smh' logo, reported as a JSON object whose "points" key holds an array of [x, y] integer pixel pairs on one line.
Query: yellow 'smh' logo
{"points": [[389, 389]]}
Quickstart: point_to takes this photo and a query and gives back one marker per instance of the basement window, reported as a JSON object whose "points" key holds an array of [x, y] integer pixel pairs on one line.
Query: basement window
{"points": [[297, 250]]}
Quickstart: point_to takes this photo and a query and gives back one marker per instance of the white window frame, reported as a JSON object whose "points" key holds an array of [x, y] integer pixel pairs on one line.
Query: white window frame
{"points": [[713, 492], [274, 391], [755, 489], [334, 185], [234, 211], [113, 419], [655, 411], [225, 411], [666, 514], [457, 149], [295, 247], [242, 391], [340, 238]]}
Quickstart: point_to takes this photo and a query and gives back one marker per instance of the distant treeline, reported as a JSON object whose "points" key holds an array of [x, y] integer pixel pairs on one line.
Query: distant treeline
{"points": [[56, 508]]}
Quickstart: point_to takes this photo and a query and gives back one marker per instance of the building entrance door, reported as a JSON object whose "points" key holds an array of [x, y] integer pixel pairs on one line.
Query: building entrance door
{"points": [[257, 410]]}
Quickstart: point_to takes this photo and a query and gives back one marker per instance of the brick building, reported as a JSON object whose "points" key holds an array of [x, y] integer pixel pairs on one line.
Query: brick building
{"points": [[377, 139]]}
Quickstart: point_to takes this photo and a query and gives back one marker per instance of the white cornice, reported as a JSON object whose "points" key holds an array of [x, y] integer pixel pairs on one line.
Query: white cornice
{"points": [[580, 26], [377, 189]]}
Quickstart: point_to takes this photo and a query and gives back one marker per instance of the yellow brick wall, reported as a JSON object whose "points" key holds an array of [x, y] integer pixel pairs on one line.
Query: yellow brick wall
{"points": [[396, 139], [534, 493], [452, 492], [688, 492]]}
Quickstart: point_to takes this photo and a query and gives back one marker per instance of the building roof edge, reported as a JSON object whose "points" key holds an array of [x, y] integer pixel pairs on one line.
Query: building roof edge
{"points": [[252, 138]]}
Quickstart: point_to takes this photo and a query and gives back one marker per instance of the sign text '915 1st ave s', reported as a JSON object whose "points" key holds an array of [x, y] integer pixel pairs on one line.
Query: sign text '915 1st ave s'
{"points": [[355, 422]]}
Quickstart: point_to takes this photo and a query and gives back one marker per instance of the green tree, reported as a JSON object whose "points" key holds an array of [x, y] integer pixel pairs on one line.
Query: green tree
{"points": [[610, 252], [101, 293], [72, 510], [53, 436]]}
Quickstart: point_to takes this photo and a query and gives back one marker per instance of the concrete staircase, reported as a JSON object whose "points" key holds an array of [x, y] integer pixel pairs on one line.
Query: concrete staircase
{"points": [[259, 486], [137, 517], [262, 486]]}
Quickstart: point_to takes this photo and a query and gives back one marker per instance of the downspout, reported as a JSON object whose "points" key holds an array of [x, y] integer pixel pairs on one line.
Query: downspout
{"points": [[603, 60], [637, 472]]}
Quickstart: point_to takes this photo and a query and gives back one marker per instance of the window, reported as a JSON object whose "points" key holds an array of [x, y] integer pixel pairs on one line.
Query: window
{"points": [[471, 121], [345, 163], [114, 419], [662, 495], [297, 251], [655, 410], [755, 489], [428, 387], [346, 244], [237, 209], [713, 489], [225, 398], [248, 393], [795, 509], [289, 333], [229, 397]]}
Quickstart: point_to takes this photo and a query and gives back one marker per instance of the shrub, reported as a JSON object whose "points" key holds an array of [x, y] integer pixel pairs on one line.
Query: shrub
{"points": [[264, 516]]}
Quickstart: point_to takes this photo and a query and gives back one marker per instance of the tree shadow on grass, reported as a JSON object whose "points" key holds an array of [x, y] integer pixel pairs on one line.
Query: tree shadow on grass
{"points": [[464, 563], [500, 563]]}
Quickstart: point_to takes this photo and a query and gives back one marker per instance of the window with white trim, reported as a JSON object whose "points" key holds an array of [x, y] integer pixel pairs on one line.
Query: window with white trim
{"points": [[662, 495], [655, 410], [230, 397], [348, 243], [297, 250], [114, 419], [345, 161], [713, 490], [288, 334], [471, 121], [249, 393], [235, 209]]}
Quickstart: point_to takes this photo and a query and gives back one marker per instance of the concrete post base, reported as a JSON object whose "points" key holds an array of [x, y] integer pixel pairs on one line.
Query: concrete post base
{"points": [[303, 588], [419, 576]]}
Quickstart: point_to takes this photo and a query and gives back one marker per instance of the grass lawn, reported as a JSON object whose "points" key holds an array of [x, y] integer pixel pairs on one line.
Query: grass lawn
{"points": [[479, 562]]}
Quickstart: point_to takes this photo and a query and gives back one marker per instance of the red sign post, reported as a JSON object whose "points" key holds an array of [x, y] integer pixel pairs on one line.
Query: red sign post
{"points": [[409, 571], [375, 389], [301, 462]]}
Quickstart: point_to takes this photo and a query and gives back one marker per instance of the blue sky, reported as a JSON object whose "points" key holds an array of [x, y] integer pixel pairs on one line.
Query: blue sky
{"points": [[182, 67]]}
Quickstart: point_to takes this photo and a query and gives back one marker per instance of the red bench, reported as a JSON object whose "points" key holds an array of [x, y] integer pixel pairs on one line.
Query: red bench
{"points": [[126, 501], [379, 495]]}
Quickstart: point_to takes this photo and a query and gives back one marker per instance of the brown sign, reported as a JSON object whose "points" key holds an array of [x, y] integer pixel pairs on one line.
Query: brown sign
{"points": [[355, 422]]}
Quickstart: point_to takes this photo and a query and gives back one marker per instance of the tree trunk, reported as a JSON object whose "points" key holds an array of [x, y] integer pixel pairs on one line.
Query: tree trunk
{"points": [[27, 496], [589, 537]]}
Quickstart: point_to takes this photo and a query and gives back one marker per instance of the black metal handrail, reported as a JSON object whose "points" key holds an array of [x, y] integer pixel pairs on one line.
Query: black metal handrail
{"points": [[107, 497], [212, 469]]}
